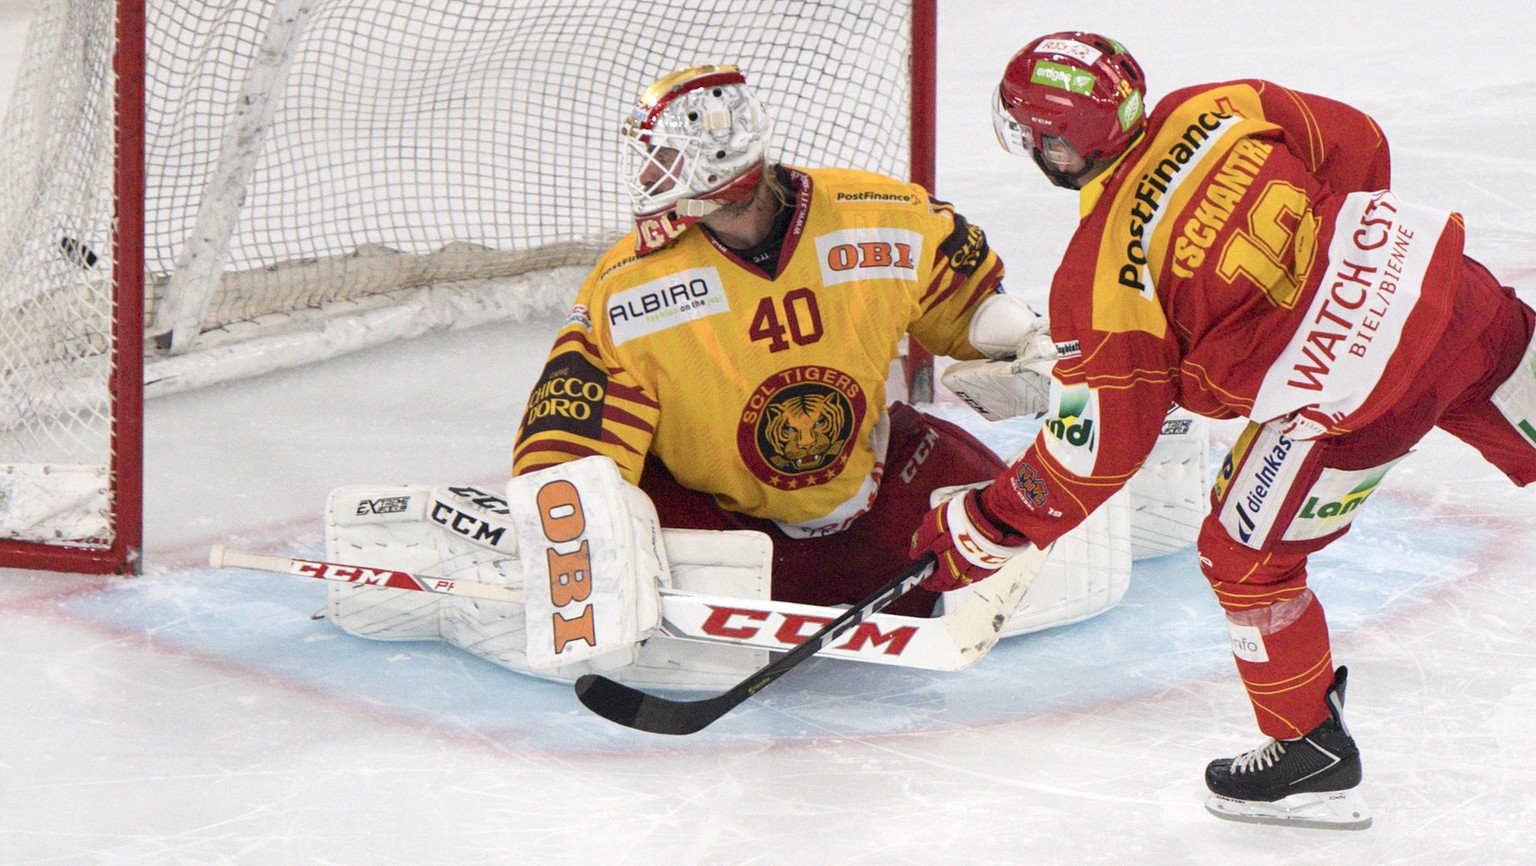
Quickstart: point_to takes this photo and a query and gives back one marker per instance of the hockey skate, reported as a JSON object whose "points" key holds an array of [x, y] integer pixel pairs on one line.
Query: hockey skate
{"points": [[1311, 781]]}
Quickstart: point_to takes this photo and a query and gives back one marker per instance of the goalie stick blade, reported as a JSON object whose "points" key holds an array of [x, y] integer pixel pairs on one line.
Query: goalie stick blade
{"points": [[632, 708]]}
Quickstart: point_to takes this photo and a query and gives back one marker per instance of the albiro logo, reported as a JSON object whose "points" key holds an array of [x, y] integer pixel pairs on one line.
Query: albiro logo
{"points": [[1064, 77]]}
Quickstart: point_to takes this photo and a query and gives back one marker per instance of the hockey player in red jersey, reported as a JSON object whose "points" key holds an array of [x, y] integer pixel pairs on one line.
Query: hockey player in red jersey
{"points": [[1241, 254], [731, 355]]}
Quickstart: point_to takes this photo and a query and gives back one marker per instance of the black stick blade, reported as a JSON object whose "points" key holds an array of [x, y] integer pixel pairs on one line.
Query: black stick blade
{"points": [[632, 708]]}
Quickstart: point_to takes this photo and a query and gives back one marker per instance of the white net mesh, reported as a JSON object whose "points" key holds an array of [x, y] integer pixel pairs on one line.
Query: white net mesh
{"points": [[56, 303], [480, 137], [412, 143]]}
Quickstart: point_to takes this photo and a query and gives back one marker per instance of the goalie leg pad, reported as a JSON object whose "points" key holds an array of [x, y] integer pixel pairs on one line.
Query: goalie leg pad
{"points": [[1086, 572], [735, 563], [592, 561], [383, 527], [465, 533], [1169, 494], [451, 531]]}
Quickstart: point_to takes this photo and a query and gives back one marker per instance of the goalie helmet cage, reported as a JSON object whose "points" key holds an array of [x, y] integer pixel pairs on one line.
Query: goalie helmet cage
{"points": [[279, 181]]}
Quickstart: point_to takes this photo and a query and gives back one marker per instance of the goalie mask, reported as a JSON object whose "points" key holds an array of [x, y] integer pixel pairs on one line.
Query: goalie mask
{"points": [[1073, 101], [695, 140]]}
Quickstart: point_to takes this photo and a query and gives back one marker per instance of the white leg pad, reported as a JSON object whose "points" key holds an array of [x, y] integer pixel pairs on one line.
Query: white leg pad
{"points": [[592, 563], [1168, 496], [384, 527], [1086, 573], [456, 532], [736, 564]]}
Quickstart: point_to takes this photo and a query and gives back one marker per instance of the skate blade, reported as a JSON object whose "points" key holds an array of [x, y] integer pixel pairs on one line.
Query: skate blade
{"points": [[1332, 810]]}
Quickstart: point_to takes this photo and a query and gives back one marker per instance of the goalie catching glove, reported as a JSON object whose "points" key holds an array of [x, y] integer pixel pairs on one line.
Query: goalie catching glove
{"points": [[1015, 378], [967, 543]]}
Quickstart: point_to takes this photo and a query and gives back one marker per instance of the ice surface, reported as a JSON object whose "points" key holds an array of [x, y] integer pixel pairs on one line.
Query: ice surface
{"points": [[194, 717]]}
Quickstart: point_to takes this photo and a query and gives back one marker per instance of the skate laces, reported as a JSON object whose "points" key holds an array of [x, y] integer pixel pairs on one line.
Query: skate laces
{"points": [[1262, 758]]}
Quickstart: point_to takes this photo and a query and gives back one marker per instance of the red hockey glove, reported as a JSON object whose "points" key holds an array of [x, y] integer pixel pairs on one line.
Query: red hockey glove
{"points": [[967, 543]]}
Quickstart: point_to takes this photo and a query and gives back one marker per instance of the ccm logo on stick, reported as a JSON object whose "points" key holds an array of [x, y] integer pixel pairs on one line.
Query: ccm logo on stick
{"points": [[570, 573], [790, 629]]}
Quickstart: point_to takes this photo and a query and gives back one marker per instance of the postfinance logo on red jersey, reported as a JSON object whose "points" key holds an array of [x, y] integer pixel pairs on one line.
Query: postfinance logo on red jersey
{"points": [[869, 254]]}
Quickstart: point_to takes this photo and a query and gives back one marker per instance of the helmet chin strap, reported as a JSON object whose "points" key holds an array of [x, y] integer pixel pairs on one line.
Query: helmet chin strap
{"points": [[661, 228], [1092, 166], [1069, 180], [697, 207]]}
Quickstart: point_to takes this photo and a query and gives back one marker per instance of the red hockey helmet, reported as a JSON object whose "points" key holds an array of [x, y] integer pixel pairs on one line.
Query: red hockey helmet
{"points": [[1073, 101]]}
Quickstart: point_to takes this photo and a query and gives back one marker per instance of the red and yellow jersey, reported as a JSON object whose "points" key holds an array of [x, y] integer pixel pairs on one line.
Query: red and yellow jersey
{"points": [[765, 390], [1243, 259]]}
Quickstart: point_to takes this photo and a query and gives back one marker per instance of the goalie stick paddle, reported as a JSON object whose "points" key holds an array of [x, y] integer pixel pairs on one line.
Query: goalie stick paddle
{"points": [[633, 708]]}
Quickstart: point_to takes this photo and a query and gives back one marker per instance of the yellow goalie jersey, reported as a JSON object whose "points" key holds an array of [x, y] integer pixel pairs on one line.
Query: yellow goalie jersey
{"points": [[765, 390]]}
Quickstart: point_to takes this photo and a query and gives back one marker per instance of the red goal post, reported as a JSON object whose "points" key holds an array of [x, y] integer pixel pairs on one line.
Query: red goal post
{"points": [[197, 190]]}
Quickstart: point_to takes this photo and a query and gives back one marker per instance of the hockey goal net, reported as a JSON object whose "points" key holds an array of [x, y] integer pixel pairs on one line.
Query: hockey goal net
{"points": [[194, 190]]}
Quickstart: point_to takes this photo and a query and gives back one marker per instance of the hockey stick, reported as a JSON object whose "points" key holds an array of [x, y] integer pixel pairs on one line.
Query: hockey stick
{"points": [[222, 557], [942, 643], [633, 708]]}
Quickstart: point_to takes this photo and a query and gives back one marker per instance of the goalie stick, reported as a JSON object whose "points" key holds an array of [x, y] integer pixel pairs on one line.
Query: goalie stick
{"points": [[222, 557], [633, 708], [950, 642]]}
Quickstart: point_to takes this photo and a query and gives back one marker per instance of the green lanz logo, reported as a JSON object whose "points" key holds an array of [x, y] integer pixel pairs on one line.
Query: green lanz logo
{"points": [[1069, 426], [1065, 77], [1350, 501]]}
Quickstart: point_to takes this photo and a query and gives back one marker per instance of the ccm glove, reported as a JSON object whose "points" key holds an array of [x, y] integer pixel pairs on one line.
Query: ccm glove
{"points": [[967, 543]]}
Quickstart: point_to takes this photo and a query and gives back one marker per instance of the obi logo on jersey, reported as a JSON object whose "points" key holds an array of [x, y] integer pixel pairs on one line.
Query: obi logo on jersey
{"points": [[798, 426], [869, 254]]}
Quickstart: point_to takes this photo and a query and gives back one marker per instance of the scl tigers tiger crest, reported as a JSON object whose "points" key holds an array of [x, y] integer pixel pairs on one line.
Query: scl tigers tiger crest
{"points": [[803, 431]]}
